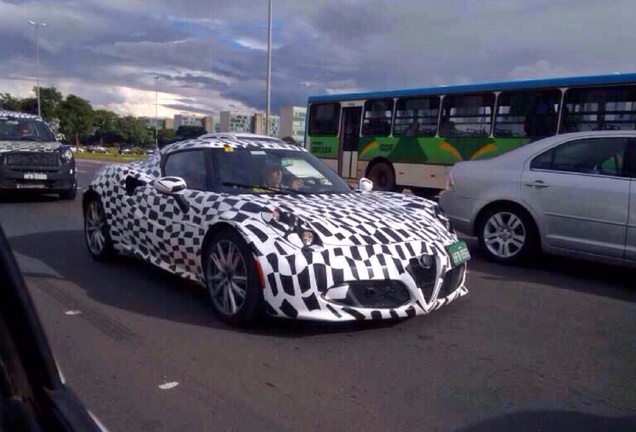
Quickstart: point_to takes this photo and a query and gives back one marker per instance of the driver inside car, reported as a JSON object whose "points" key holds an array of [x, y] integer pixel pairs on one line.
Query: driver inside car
{"points": [[274, 177]]}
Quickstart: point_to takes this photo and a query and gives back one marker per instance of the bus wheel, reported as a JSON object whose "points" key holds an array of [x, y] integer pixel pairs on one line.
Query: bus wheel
{"points": [[382, 176]]}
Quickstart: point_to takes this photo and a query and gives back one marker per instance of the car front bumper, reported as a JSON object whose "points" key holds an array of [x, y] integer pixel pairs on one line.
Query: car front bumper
{"points": [[38, 179], [361, 283]]}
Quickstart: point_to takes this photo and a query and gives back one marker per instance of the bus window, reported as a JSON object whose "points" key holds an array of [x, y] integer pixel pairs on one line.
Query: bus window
{"points": [[469, 115], [599, 108], [377, 117], [416, 116], [324, 119], [531, 113]]}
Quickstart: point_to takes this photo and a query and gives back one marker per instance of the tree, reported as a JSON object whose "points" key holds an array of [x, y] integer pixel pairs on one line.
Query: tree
{"points": [[29, 105], [50, 100], [133, 130], [10, 103], [188, 132], [166, 136], [106, 122], [76, 117]]}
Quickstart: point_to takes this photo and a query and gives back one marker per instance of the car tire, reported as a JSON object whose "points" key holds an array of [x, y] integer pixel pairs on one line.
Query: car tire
{"points": [[507, 235], [238, 269], [69, 195], [382, 176], [96, 231]]}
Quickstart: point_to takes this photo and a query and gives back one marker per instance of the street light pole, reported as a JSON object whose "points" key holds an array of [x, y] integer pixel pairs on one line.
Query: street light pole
{"points": [[37, 59], [156, 112], [269, 63]]}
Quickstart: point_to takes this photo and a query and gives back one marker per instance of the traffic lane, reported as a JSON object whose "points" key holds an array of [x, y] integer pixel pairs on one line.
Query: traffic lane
{"points": [[543, 339]]}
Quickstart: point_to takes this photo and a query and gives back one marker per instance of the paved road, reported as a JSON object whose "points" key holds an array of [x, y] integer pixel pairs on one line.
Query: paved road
{"points": [[548, 347]]}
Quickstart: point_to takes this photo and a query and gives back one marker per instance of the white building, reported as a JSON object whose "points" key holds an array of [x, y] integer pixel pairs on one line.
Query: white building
{"points": [[260, 122], [292, 122], [231, 121], [189, 120]]}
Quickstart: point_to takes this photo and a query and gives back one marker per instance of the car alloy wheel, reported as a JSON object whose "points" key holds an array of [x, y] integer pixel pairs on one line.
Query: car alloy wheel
{"points": [[504, 235], [232, 280], [96, 231], [227, 278]]}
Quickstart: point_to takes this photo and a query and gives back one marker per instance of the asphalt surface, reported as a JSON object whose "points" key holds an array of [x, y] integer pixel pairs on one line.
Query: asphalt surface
{"points": [[551, 346]]}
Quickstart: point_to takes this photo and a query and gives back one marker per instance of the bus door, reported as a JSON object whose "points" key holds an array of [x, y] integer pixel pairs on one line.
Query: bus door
{"points": [[349, 134]]}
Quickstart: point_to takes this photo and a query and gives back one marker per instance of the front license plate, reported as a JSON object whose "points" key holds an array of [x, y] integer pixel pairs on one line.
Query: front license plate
{"points": [[31, 186], [35, 176], [458, 252]]}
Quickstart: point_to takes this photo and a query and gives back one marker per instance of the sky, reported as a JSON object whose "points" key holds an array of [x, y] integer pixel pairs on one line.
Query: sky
{"points": [[210, 55]]}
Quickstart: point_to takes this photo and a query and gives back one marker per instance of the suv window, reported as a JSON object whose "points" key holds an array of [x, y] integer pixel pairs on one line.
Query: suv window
{"points": [[604, 156], [189, 165]]}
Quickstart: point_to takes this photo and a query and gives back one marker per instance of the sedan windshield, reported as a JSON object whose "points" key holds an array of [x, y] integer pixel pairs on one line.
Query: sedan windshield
{"points": [[14, 128], [265, 170]]}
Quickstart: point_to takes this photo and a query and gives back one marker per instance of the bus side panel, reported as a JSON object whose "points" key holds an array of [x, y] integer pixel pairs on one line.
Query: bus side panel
{"points": [[323, 146]]}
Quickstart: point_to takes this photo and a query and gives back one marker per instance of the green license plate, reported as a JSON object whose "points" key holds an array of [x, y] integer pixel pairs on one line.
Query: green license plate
{"points": [[458, 252]]}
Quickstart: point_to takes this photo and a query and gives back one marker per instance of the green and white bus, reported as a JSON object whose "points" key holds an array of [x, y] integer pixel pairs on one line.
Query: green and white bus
{"points": [[410, 138]]}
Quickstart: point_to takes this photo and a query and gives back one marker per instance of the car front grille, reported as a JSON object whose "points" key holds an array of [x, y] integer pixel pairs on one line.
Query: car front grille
{"points": [[452, 280], [380, 294], [32, 159]]}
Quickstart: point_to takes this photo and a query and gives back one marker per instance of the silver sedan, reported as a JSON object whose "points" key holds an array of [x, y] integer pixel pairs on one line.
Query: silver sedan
{"points": [[571, 194]]}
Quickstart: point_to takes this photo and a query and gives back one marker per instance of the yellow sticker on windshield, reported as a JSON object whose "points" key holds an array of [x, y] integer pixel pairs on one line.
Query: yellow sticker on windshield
{"points": [[228, 148]]}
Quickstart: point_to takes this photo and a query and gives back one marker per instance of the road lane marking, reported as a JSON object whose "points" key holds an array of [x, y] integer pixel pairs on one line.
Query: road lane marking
{"points": [[169, 385]]}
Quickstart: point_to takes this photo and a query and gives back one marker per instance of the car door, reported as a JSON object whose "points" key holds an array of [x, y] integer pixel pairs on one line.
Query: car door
{"points": [[629, 170], [580, 194], [169, 232]]}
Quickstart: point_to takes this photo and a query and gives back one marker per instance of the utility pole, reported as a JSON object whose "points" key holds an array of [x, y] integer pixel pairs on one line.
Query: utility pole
{"points": [[37, 59], [269, 64]]}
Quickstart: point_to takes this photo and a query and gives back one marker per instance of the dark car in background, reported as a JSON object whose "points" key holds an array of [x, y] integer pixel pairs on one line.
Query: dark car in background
{"points": [[32, 159]]}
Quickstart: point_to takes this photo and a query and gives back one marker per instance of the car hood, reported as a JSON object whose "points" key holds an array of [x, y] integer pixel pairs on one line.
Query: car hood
{"points": [[363, 218], [29, 146]]}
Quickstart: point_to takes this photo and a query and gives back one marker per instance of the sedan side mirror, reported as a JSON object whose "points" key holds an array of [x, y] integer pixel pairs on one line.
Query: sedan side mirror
{"points": [[365, 185], [170, 185], [173, 186]]}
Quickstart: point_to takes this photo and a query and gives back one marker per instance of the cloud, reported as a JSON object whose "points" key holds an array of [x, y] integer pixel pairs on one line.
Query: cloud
{"points": [[210, 55]]}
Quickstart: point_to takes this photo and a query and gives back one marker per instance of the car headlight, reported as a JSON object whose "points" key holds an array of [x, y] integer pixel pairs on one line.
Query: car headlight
{"points": [[293, 228], [67, 155]]}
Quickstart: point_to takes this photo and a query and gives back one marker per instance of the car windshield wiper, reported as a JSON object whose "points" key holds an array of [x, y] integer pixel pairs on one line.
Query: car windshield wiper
{"points": [[258, 187]]}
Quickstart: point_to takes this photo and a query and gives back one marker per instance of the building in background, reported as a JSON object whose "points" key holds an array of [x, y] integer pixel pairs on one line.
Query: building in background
{"points": [[238, 122], [162, 123], [206, 122], [292, 122], [260, 122]]}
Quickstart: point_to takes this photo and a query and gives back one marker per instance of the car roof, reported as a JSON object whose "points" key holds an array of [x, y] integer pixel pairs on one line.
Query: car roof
{"points": [[532, 148], [7, 113], [240, 135], [211, 142]]}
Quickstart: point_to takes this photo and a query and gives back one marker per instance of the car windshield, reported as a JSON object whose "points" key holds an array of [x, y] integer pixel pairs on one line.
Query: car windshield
{"points": [[14, 128], [265, 170]]}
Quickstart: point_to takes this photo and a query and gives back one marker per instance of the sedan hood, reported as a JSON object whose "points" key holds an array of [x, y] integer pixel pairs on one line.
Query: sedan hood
{"points": [[357, 219], [29, 146]]}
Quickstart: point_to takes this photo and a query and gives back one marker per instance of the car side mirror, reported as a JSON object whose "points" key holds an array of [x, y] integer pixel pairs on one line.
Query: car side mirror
{"points": [[170, 185], [365, 185], [174, 186]]}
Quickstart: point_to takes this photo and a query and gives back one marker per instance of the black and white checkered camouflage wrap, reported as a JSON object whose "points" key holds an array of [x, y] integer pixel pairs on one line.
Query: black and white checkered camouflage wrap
{"points": [[366, 236], [26, 146]]}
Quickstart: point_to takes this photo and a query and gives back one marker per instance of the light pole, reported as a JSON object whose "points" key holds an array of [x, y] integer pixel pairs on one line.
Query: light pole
{"points": [[37, 58], [269, 64], [156, 112]]}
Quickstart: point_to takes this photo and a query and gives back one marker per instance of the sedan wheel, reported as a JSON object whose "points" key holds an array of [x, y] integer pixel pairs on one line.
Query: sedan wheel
{"points": [[506, 235], [231, 279]]}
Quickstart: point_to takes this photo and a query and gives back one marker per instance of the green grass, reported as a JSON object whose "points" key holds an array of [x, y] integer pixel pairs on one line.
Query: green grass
{"points": [[109, 157]]}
